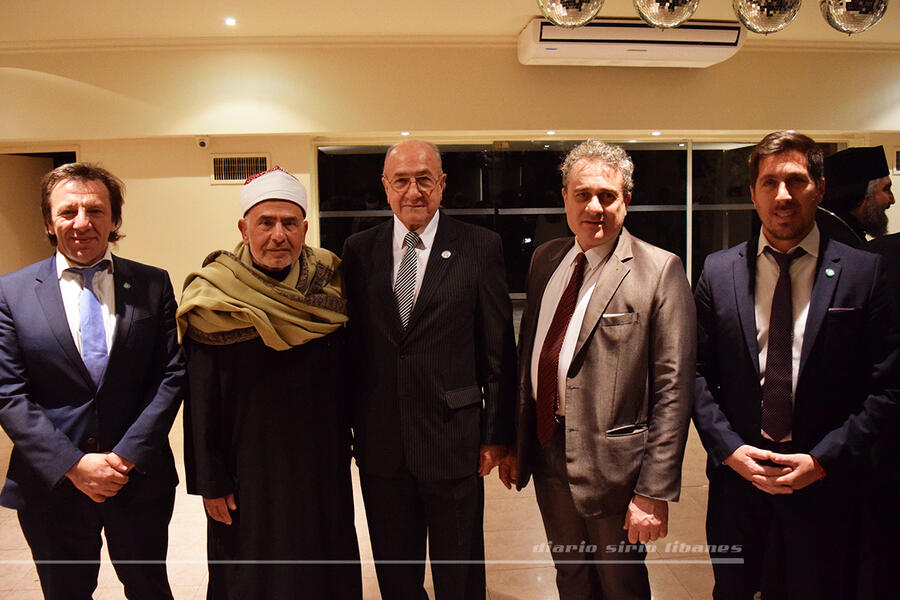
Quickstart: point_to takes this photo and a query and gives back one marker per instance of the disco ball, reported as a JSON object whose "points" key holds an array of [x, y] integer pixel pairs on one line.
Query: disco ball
{"points": [[570, 13], [852, 17], [666, 13], [766, 16]]}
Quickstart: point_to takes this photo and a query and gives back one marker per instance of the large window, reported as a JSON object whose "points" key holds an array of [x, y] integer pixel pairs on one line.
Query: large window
{"points": [[689, 198]]}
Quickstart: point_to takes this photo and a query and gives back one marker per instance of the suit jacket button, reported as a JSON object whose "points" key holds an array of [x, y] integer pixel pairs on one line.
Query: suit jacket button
{"points": [[92, 443]]}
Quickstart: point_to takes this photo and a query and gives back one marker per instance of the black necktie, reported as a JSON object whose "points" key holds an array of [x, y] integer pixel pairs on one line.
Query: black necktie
{"points": [[777, 405]]}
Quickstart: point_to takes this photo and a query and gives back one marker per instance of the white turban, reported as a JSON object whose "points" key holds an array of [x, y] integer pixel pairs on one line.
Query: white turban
{"points": [[274, 184]]}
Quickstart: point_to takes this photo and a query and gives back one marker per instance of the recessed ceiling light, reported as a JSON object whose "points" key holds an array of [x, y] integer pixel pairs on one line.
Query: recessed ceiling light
{"points": [[632, 141], [551, 132], [681, 145], [546, 145], [230, 21], [656, 133], [404, 133]]}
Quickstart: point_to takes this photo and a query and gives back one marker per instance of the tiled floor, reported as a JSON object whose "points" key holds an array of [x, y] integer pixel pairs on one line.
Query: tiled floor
{"points": [[515, 571]]}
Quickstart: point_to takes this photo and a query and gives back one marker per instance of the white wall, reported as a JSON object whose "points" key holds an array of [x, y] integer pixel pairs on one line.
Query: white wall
{"points": [[173, 216], [102, 94], [22, 241]]}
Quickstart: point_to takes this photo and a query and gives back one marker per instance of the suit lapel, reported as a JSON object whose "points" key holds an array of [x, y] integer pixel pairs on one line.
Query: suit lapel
{"points": [[828, 273], [50, 299], [614, 271], [382, 265], [126, 289], [745, 299], [444, 251]]}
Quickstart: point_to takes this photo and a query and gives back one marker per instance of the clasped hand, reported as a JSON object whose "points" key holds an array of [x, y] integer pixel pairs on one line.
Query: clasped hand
{"points": [[785, 473], [100, 475]]}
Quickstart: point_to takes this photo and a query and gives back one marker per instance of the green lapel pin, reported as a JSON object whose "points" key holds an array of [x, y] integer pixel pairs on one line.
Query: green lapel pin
{"points": [[127, 285], [829, 272]]}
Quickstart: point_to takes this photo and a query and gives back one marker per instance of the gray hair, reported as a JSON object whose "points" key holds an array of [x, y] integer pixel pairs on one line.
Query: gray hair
{"points": [[872, 187], [609, 154], [434, 148]]}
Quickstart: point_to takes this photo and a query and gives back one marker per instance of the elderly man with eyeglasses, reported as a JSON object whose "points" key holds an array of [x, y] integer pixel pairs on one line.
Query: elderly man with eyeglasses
{"points": [[432, 379]]}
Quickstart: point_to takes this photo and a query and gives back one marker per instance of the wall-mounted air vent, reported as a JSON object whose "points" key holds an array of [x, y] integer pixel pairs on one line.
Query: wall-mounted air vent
{"points": [[236, 168], [629, 42]]}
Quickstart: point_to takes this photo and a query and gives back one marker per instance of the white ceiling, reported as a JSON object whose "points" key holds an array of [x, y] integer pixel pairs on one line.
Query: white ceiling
{"points": [[35, 24]]}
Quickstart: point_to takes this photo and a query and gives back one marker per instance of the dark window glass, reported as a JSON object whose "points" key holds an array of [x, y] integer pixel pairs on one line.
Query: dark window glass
{"points": [[720, 176], [659, 176], [666, 229], [514, 188], [717, 230]]}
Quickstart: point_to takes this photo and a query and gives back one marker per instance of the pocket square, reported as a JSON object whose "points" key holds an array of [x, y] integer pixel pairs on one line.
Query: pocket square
{"points": [[841, 309]]}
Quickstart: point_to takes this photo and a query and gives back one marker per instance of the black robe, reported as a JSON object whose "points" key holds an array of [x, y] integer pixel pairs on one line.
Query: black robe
{"points": [[271, 427]]}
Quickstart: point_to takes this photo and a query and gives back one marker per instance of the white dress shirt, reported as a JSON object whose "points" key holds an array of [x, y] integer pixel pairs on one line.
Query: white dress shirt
{"points": [[104, 287], [596, 259], [423, 250], [803, 272]]}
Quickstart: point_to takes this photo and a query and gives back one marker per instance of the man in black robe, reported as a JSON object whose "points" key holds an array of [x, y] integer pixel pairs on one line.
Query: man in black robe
{"points": [[267, 440], [856, 197]]}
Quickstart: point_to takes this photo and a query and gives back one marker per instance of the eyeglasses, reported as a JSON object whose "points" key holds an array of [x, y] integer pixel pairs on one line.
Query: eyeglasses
{"points": [[425, 183]]}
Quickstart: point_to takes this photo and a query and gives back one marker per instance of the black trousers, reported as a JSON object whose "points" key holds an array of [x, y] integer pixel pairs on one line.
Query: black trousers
{"points": [[403, 513], [793, 547], [65, 543]]}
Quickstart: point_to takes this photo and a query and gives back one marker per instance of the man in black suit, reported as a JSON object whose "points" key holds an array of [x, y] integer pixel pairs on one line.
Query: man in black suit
{"points": [[433, 379], [797, 370], [91, 377]]}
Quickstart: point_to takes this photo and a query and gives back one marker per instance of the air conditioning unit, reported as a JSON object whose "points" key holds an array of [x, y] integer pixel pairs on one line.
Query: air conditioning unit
{"points": [[629, 42]]}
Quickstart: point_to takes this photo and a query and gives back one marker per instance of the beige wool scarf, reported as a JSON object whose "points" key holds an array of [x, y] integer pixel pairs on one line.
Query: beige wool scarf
{"points": [[229, 301]]}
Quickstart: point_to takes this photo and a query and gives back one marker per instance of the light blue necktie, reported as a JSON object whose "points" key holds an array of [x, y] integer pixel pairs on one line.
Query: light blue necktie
{"points": [[93, 332]]}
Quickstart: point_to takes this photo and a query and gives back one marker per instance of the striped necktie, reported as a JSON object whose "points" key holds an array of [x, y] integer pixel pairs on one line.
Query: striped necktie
{"points": [[405, 286]]}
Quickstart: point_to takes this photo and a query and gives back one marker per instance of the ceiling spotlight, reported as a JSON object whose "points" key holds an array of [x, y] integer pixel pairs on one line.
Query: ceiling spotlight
{"points": [[230, 21], [404, 133], [551, 132], [655, 133]]}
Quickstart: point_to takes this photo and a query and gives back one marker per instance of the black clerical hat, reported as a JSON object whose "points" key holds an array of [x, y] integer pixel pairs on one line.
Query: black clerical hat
{"points": [[848, 172]]}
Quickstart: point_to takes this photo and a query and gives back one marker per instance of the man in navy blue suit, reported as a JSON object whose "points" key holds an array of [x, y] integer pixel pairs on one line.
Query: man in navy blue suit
{"points": [[91, 377], [797, 373]]}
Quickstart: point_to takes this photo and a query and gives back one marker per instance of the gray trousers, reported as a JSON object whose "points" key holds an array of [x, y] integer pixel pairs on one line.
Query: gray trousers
{"points": [[592, 555]]}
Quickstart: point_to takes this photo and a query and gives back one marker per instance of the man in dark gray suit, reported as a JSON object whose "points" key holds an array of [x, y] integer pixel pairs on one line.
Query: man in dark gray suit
{"points": [[432, 376], [606, 369]]}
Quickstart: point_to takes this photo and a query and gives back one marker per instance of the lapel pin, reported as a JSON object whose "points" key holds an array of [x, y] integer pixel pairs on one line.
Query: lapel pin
{"points": [[445, 254], [829, 272], [126, 285]]}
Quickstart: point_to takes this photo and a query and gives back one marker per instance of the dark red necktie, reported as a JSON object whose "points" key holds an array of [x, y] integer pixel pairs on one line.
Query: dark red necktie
{"points": [[777, 406], [547, 397]]}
